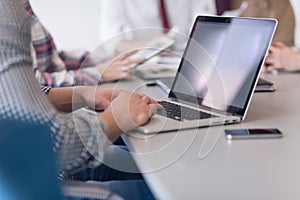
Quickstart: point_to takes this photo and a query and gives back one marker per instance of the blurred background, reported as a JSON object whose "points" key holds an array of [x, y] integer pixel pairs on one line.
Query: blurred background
{"points": [[74, 24]]}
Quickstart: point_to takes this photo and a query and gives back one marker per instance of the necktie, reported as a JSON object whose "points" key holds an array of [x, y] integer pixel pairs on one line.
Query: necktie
{"points": [[222, 5], [164, 16]]}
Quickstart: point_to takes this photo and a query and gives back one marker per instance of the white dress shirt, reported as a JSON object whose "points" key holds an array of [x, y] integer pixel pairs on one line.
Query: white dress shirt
{"points": [[127, 15], [296, 9]]}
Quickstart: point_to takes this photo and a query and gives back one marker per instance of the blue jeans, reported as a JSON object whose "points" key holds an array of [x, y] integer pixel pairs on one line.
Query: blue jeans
{"points": [[127, 189], [128, 185]]}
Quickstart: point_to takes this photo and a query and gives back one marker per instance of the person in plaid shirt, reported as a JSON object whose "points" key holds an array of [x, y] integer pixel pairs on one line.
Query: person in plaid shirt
{"points": [[57, 69]]}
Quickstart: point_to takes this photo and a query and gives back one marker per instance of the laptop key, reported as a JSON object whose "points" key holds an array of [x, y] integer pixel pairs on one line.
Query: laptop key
{"points": [[181, 113]]}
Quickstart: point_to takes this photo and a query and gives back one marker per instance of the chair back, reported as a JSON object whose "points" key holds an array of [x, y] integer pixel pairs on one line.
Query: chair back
{"points": [[27, 164]]}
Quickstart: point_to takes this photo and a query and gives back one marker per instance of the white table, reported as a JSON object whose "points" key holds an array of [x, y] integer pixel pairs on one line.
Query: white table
{"points": [[202, 164]]}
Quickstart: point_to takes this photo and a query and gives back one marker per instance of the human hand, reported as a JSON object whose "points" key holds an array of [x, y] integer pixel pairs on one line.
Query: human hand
{"points": [[118, 68], [131, 110], [281, 57]]}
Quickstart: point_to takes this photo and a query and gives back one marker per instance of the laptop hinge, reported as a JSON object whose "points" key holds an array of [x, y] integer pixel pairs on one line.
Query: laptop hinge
{"points": [[205, 107]]}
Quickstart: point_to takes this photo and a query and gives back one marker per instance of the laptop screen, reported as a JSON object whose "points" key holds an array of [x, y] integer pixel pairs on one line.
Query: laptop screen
{"points": [[222, 62]]}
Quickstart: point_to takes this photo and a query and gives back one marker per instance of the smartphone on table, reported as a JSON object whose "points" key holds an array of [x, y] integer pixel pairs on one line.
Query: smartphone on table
{"points": [[252, 133], [152, 49]]}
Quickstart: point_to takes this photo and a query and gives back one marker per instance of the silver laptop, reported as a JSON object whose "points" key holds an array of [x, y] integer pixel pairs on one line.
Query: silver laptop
{"points": [[217, 75]]}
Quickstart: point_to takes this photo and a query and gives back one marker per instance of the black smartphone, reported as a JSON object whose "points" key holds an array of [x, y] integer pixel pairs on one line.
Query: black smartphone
{"points": [[252, 133]]}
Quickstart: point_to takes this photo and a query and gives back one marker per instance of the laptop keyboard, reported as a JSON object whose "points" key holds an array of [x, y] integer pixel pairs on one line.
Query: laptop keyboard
{"points": [[181, 113]]}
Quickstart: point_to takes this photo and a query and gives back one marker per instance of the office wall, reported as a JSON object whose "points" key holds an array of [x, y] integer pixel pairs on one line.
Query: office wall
{"points": [[74, 24]]}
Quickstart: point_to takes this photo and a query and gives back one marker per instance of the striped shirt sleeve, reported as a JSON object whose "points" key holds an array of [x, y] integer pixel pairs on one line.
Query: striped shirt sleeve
{"points": [[45, 89]]}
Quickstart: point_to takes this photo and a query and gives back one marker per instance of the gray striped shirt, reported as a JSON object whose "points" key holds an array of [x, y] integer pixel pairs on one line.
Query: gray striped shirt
{"points": [[78, 137]]}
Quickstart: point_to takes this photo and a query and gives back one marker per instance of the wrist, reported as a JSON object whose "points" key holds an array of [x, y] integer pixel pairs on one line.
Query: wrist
{"points": [[113, 130], [294, 62], [101, 70], [78, 94]]}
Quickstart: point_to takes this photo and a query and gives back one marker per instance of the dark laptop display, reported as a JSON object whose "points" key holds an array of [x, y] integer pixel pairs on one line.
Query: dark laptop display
{"points": [[222, 61]]}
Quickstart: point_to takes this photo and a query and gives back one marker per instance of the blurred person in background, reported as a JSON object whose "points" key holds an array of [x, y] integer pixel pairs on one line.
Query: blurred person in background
{"points": [[69, 68], [129, 23], [279, 9], [282, 57], [281, 54]]}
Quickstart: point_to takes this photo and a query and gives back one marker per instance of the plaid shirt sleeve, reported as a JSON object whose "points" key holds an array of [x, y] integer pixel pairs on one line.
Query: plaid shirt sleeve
{"points": [[58, 69], [75, 59]]}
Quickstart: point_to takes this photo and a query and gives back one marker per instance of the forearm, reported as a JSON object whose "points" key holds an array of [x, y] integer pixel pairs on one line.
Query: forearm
{"points": [[66, 99], [64, 78], [297, 60], [62, 99], [289, 60]]}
